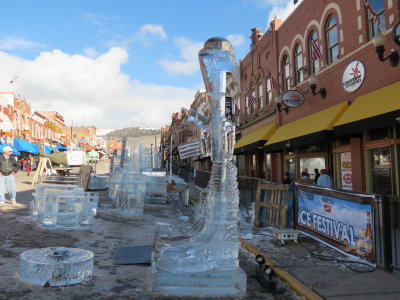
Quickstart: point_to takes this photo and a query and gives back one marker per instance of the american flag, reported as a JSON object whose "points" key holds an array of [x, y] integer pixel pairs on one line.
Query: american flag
{"points": [[274, 84], [315, 52], [377, 21], [14, 79], [251, 101]]}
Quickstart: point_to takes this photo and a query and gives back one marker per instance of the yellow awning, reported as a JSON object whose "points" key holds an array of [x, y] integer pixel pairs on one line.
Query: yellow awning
{"points": [[378, 102], [261, 134], [314, 123]]}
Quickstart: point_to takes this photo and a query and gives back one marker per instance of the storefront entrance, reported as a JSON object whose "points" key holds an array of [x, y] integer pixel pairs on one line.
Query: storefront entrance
{"points": [[381, 181]]}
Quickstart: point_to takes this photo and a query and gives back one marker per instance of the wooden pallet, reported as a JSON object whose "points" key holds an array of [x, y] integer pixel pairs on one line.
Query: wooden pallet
{"points": [[44, 166], [271, 205]]}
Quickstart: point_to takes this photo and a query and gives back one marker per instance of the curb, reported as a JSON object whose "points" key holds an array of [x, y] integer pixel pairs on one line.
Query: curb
{"points": [[291, 280]]}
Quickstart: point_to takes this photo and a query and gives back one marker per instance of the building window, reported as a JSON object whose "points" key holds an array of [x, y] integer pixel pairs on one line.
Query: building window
{"points": [[246, 104], [285, 73], [332, 39], [253, 105], [314, 52], [377, 22], [298, 63], [260, 95], [268, 95]]}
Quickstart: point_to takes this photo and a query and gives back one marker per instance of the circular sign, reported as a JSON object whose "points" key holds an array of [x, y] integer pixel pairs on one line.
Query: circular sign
{"points": [[293, 98], [396, 33], [353, 76]]}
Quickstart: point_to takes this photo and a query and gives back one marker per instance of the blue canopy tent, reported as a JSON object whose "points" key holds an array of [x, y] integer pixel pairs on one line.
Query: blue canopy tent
{"points": [[61, 147], [48, 149], [22, 145]]}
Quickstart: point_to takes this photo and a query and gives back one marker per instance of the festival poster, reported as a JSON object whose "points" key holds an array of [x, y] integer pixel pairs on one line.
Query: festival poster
{"points": [[341, 219], [346, 171]]}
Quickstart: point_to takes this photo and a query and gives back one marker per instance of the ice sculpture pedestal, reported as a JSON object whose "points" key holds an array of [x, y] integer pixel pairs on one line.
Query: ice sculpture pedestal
{"points": [[207, 284]]}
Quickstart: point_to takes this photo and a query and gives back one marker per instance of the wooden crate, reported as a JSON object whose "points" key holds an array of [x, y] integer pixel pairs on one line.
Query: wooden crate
{"points": [[271, 205]]}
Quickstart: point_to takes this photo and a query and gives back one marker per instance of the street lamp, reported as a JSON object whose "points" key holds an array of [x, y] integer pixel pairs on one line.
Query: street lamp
{"points": [[278, 101], [378, 41], [313, 85]]}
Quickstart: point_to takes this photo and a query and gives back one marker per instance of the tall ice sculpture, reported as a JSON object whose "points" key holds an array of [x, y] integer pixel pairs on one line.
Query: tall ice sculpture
{"points": [[207, 263]]}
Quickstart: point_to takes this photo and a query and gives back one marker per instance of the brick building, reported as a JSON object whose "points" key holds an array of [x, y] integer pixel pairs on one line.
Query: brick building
{"points": [[351, 125]]}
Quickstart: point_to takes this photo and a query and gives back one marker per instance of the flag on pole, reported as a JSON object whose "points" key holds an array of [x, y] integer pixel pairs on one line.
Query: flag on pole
{"points": [[251, 100], [14, 79], [274, 84], [315, 52], [367, 4]]}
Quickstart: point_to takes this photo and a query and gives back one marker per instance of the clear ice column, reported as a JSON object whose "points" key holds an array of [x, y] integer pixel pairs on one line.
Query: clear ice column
{"points": [[207, 265]]}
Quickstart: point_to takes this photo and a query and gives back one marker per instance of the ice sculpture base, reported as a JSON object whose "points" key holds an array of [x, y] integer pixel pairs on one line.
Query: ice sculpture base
{"points": [[200, 284]]}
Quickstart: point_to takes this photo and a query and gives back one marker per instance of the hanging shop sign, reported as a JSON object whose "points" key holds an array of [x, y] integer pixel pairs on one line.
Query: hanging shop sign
{"points": [[342, 219], [353, 76], [293, 98], [228, 108], [396, 33], [52, 126], [346, 171]]}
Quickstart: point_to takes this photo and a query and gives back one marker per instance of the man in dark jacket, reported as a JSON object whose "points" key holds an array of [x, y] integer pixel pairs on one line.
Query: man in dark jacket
{"points": [[8, 167]]}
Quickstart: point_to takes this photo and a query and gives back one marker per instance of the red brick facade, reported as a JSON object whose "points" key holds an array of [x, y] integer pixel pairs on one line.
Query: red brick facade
{"points": [[354, 42]]}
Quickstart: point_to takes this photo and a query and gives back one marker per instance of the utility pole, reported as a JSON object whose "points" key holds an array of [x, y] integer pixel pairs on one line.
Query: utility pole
{"points": [[151, 155], [72, 124]]}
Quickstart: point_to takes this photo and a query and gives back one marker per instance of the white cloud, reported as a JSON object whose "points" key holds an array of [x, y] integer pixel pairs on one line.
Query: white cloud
{"points": [[90, 52], [283, 11], [92, 91], [235, 39], [16, 43], [148, 32], [188, 63]]}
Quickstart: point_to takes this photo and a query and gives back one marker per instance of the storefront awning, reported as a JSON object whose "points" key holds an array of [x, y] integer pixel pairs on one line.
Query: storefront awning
{"points": [[255, 138], [308, 130], [376, 109]]}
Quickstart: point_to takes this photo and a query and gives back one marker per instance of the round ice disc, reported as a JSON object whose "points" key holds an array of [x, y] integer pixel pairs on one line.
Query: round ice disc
{"points": [[56, 266]]}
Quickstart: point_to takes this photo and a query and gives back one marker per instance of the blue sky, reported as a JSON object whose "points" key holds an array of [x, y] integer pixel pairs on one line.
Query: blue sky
{"points": [[118, 63]]}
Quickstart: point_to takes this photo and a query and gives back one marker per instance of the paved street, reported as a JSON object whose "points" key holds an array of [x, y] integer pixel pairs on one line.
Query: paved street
{"points": [[19, 233]]}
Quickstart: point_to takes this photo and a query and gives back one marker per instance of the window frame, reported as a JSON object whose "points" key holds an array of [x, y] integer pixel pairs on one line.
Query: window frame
{"points": [[286, 76], [329, 47], [298, 68]]}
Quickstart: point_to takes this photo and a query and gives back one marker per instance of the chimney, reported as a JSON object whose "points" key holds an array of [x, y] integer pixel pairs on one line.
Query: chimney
{"points": [[255, 36], [275, 23]]}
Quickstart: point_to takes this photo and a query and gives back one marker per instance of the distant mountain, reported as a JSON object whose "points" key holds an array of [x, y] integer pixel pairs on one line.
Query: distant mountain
{"points": [[131, 132]]}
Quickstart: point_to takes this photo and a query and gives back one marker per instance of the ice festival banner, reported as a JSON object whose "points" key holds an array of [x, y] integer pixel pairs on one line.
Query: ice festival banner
{"points": [[344, 220]]}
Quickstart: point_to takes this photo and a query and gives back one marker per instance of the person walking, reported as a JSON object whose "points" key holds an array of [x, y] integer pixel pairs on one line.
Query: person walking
{"points": [[8, 167], [324, 179], [28, 165]]}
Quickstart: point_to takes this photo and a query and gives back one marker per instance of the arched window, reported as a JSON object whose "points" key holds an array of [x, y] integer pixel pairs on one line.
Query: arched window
{"points": [[376, 19], [314, 52], [260, 95], [268, 94], [332, 40], [285, 73], [298, 63]]}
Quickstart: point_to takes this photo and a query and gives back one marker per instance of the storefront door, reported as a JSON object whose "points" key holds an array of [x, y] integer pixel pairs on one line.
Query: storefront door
{"points": [[381, 171]]}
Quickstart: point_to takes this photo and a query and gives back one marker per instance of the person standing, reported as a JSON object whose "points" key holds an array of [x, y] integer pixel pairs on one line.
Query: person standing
{"points": [[316, 175], [324, 179], [8, 167], [28, 165]]}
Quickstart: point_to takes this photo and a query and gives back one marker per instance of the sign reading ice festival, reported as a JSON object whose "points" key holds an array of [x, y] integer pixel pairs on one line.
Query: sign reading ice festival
{"points": [[353, 76], [341, 219]]}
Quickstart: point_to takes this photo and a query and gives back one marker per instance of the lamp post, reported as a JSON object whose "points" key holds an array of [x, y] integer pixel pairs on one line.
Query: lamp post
{"points": [[313, 86], [379, 41], [151, 155]]}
